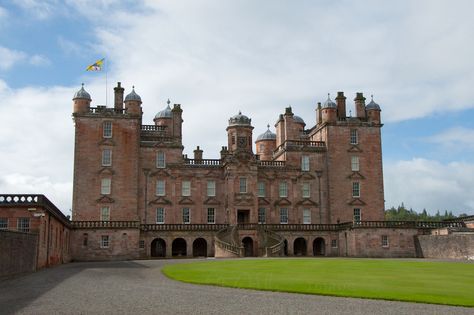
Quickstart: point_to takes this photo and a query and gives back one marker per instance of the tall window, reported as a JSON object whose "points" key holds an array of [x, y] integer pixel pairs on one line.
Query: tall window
{"points": [[261, 215], [334, 243], [23, 224], [107, 129], [384, 240], [283, 215], [104, 241], [106, 157], [355, 163], [306, 190], [211, 188], [160, 215], [105, 213], [243, 185], [357, 215], [305, 163], [283, 189], [354, 136], [160, 160], [306, 216], [186, 215], [105, 185], [211, 215], [261, 189], [160, 187], [186, 188], [355, 189], [3, 223]]}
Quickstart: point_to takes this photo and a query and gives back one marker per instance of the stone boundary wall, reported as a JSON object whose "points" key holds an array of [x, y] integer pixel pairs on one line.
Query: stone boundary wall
{"points": [[18, 252], [452, 246]]}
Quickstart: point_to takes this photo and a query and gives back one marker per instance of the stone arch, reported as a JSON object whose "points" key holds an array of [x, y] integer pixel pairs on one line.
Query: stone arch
{"points": [[248, 246], [200, 247], [299, 247], [178, 247], [158, 248], [319, 247]]}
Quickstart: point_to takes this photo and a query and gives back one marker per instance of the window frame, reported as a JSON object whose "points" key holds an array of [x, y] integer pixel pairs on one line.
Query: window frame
{"points": [[107, 216], [354, 137], [283, 189], [186, 188], [104, 241], [211, 188], [186, 216], [357, 217], [261, 189], [284, 215], [160, 159], [385, 241], [242, 185], [334, 243], [106, 186], [305, 163], [160, 190], [262, 215], [306, 190], [23, 224], [356, 189], [161, 215], [4, 224], [107, 158], [355, 163], [306, 216], [211, 214], [106, 131]]}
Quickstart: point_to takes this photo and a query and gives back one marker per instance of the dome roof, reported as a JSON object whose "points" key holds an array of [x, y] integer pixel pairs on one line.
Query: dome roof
{"points": [[82, 94], [239, 119], [298, 119], [372, 105], [165, 113], [267, 135], [329, 103], [133, 96]]}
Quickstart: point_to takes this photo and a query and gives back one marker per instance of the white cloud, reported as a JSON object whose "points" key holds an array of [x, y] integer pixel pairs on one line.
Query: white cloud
{"points": [[41, 9], [422, 183], [69, 47], [39, 60], [3, 14], [455, 138], [9, 57]]}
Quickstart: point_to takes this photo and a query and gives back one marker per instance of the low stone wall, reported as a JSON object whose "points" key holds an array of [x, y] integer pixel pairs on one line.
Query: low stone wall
{"points": [[18, 252], [452, 246]]}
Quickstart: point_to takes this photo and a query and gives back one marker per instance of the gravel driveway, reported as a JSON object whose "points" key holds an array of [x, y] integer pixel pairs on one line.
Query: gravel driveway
{"points": [[139, 287]]}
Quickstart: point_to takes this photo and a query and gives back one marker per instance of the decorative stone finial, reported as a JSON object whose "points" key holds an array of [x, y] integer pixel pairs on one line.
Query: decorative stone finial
{"points": [[168, 102]]}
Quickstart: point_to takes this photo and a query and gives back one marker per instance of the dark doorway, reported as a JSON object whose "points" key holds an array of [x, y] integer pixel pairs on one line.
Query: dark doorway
{"points": [[248, 246], [319, 247], [200, 247], [299, 247], [285, 248], [243, 216], [158, 248], [178, 248]]}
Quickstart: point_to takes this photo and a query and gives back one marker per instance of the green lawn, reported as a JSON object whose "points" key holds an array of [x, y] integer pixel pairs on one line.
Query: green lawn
{"points": [[449, 283]]}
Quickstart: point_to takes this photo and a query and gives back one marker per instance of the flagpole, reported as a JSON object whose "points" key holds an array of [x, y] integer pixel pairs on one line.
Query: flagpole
{"points": [[106, 98]]}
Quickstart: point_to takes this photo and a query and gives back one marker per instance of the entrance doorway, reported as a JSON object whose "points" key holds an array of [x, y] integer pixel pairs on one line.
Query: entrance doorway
{"points": [[178, 247], [243, 216], [158, 248], [319, 247], [248, 246], [299, 247], [200, 247]]}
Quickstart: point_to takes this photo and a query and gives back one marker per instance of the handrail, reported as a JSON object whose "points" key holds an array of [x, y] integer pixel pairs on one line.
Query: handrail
{"points": [[105, 224], [202, 162], [182, 227]]}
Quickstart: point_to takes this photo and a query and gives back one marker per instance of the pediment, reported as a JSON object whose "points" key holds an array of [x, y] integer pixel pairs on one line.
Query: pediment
{"points": [[263, 201], [356, 202], [243, 199], [106, 171], [186, 201], [160, 201], [307, 202], [356, 175], [306, 176], [282, 202], [354, 148], [213, 174], [107, 141], [161, 172], [105, 199], [212, 201]]}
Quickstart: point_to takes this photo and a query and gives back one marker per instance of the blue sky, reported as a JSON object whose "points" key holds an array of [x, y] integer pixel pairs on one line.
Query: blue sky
{"points": [[218, 57]]}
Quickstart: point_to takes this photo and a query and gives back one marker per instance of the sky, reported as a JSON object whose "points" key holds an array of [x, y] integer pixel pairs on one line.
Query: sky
{"points": [[216, 57]]}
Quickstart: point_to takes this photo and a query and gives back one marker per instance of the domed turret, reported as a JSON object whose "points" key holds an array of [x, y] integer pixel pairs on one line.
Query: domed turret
{"points": [[133, 102], [165, 113], [81, 101], [329, 103], [372, 105], [132, 96], [266, 144], [267, 135], [165, 117], [239, 120], [239, 133], [329, 111], [373, 111], [299, 120]]}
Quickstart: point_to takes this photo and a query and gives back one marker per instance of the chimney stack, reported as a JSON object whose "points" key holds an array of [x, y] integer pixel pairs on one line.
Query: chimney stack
{"points": [[118, 101], [198, 153], [341, 105], [360, 105]]}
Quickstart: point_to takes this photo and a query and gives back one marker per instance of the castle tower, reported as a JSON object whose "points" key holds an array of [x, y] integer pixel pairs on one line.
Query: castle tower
{"points": [[164, 118], [239, 133], [329, 111], [81, 101], [373, 111], [266, 144], [133, 103]]}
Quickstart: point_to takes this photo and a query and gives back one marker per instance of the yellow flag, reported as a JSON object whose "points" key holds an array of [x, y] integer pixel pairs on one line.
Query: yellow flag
{"points": [[97, 66]]}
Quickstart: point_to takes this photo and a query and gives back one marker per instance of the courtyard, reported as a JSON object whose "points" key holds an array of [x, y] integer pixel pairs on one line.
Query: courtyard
{"points": [[126, 287]]}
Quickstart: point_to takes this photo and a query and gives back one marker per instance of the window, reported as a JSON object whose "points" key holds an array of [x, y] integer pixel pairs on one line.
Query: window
{"points": [[106, 157], [283, 190], [283, 215], [261, 189], [211, 188], [306, 216], [107, 129], [355, 163], [141, 244], [85, 239], [23, 224], [186, 215], [261, 216], [186, 188], [105, 186], [305, 163], [355, 189], [104, 241], [357, 215], [160, 160], [384, 240], [211, 215], [334, 243], [105, 214], [160, 188], [160, 215], [262, 147], [354, 136], [306, 190], [243, 185], [3, 223]]}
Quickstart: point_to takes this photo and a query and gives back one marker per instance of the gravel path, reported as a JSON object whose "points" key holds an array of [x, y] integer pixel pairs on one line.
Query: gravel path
{"points": [[139, 287]]}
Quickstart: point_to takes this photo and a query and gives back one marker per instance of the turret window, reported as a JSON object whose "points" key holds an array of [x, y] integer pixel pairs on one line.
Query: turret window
{"points": [[160, 188], [305, 163], [107, 129], [105, 186], [186, 188], [283, 190], [106, 157], [160, 160], [354, 136], [243, 185], [355, 163]]}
